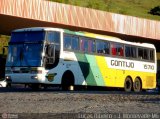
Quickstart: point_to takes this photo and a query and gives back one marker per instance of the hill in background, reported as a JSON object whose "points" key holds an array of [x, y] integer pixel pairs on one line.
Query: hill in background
{"points": [[137, 8]]}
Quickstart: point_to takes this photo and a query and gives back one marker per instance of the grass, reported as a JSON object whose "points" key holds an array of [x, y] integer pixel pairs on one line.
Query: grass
{"points": [[137, 8]]}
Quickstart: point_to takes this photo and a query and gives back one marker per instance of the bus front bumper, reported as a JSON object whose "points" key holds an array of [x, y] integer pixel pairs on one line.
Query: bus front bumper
{"points": [[25, 78]]}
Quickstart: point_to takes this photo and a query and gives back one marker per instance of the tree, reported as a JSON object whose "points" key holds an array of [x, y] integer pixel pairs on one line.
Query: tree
{"points": [[155, 11]]}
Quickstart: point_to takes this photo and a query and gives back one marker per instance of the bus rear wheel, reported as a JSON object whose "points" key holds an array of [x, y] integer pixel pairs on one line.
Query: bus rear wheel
{"points": [[137, 85], [128, 84]]}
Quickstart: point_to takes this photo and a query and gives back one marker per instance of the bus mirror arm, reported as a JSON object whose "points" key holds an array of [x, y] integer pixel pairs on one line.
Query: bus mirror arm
{"points": [[45, 60]]}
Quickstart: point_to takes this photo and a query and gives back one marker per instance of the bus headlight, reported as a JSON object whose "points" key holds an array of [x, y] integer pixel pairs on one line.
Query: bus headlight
{"points": [[8, 78], [34, 77]]}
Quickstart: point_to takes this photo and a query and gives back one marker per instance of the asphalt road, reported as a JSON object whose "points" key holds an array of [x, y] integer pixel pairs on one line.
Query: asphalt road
{"points": [[19, 101]]}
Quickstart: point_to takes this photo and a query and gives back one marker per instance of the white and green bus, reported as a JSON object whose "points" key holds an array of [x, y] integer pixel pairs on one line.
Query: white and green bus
{"points": [[52, 56]]}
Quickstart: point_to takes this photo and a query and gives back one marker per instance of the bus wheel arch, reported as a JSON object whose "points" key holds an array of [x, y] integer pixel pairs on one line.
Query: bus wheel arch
{"points": [[137, 85], [68, 80], [128, 84]]}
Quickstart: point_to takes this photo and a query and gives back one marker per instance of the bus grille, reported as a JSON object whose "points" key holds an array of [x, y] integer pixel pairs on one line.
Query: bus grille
{"points": [[149, 81]]}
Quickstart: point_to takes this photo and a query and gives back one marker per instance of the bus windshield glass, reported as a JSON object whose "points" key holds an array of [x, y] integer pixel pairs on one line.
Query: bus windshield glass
{"points": [[27, 36], [24, 55]]}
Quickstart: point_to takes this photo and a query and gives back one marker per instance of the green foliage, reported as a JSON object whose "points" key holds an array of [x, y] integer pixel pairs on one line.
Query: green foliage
{"points": [[96, 4], [61, 1], [138, 8], [3, 42]]}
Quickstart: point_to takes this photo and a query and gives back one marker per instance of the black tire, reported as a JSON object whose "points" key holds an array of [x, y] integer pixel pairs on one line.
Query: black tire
{"points": [[128, 84], [8, 85], [35, 86], [45, 87], [137, 85], [67, 87]]}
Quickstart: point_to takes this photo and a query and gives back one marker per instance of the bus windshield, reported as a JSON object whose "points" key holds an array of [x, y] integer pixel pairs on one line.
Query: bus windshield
{"points": [[27, 36], [24, 55]]}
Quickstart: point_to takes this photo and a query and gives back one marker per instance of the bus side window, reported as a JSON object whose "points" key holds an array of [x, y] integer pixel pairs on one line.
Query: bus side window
{"points": [[53, 37], [67, 42], [143, 53], [121, 51], [130, 51], [83, 44], [133, 52], [91, 46], [127, 51], [113, 47], [140, 53], [146, 54], [75, 43], [106, 48], [151, 55], [101, 47], [117, 49]]}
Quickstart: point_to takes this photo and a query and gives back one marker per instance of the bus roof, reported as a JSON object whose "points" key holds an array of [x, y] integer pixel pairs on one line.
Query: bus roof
{"points": [[109, 38], [37, 29], [86, 34]]}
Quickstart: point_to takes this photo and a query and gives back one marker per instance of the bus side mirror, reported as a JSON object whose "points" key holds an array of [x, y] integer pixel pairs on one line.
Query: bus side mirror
{"points": [[49, 58], [48, 51]]}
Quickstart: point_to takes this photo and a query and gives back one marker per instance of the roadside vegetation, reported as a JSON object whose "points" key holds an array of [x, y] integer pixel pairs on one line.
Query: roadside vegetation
{"points": [[137, 8], [3, 42]]}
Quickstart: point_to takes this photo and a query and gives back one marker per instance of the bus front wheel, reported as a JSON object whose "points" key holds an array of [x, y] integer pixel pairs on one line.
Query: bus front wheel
{"points": [[68, 81], [128, 84], [35, 86], [137, 85]]}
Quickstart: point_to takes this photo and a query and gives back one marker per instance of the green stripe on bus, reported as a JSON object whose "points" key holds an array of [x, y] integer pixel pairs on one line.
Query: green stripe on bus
{"points": [[69, 32], [74, 33], [80, 33], [95, 70], [86, 69]]}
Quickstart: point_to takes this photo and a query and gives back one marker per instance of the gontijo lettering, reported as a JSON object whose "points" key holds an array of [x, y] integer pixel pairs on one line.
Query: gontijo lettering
{"points": [[122, 63]]}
